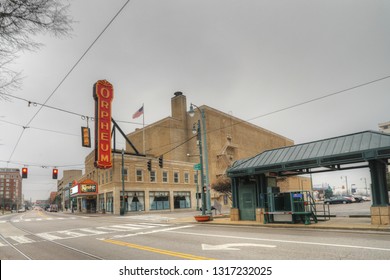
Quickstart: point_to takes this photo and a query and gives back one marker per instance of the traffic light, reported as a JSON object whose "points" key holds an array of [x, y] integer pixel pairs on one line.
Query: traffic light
{"points": [[160, 162], [24, 172], [55, 173], [150, 165]]}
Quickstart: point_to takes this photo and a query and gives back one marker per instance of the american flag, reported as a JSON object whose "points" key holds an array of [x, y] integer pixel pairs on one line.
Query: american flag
{"points": [[139, 112]]}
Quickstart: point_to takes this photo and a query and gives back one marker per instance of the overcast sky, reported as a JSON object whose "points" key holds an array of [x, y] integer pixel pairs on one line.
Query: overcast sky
{"points": [[248, 58]]}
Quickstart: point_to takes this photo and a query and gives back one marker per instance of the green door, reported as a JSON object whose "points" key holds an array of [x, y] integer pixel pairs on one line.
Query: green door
{"points": [[247, 203]]}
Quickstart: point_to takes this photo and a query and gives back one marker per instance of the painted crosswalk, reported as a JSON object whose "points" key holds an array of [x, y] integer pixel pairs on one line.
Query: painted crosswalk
{"points": [[77, 233], [41, 219], [150, 218]]}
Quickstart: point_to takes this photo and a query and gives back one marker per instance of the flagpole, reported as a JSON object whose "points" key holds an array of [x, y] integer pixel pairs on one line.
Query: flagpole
{"points": [[143, 127]]}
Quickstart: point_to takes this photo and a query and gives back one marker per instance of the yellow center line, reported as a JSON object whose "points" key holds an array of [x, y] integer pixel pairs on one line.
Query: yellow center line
{"points": [[156, 250]]}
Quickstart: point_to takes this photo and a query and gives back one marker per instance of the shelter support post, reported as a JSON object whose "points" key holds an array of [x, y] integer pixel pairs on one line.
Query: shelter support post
{"points": [[234, 193], [380, 209], [380, 196], [234, 212]]}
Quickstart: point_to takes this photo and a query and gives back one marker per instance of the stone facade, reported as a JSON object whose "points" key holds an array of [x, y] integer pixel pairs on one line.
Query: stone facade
{"points": [[174, 187], [228, 139], [380, 215], [170, 188]]}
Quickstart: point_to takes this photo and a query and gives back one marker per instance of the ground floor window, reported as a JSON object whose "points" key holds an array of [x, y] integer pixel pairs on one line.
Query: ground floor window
{"points": [[182, 199], [110, 202], [134, 201], [159, 200]]}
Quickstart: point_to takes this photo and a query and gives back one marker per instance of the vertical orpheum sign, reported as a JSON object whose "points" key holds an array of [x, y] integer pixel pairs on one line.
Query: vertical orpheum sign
{"points": [[103, 94]]}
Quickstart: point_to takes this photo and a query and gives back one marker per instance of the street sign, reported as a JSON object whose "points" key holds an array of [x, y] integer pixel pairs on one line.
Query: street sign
{"points": [[197, 166]]}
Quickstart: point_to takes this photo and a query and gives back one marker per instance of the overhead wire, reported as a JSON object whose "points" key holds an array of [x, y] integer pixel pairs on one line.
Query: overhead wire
{"points": [[210, 131], [67, 75]]}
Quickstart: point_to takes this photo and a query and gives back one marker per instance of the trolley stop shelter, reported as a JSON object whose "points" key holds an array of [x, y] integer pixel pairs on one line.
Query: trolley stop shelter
{"points": [[254, 189]]}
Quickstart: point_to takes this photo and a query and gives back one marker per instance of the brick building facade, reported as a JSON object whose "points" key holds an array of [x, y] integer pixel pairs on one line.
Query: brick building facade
{"points": [[10, 188]]}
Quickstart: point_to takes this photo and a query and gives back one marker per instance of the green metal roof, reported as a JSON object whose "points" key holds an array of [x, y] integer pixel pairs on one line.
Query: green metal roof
{"points": [[347, 149]]}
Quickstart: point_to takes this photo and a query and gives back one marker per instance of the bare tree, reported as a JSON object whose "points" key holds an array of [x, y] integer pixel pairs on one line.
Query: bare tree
{"points": [[223, 185], [20, 22]]}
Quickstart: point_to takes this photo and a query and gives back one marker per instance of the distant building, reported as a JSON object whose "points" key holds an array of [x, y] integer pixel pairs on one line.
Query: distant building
{"points": [[64, 185], [384, 127], [10, 188]]}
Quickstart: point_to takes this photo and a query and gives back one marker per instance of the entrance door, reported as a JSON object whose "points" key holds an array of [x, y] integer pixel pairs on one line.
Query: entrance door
{"points": [[247, 202]]}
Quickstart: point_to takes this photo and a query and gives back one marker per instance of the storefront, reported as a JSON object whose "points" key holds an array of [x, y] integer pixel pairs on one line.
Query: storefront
{"points": [[84, 196]]}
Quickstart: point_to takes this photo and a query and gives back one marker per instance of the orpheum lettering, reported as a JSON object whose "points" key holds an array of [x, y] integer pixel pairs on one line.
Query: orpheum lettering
{"points": [[103, 94]]}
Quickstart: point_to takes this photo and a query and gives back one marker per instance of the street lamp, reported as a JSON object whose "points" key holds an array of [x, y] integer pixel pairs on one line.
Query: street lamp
{"points": [[196, 130], [204, 180], [346, 182], [122, 209], [365, 183], [197, 180]]}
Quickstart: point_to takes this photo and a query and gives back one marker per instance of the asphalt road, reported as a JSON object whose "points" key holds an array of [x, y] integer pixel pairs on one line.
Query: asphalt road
{"points": [[40, 235]]}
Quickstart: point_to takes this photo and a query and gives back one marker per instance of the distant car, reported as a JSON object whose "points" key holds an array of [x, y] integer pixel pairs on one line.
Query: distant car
{"points": [[358, 198], [53, 208], [337, 200], [351, 197]]}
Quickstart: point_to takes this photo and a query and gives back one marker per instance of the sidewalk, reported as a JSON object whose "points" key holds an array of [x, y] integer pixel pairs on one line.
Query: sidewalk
{"points": [[338, 223]]}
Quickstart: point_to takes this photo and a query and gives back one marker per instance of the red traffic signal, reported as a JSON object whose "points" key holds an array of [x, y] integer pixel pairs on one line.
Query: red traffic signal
{"points": [[150, 165], [55, 173], [24, 172], [161, 162]]}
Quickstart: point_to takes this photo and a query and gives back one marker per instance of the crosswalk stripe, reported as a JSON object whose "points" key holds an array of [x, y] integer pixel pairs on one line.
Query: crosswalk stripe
{"points": [[21, 239], [93, 231], [82, 232], [154, 225], [72, 233], [48, 236], [129, 226]]}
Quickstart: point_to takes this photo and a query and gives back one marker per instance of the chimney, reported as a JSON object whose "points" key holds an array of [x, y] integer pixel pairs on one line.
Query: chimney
{"points": [[179, 106]]}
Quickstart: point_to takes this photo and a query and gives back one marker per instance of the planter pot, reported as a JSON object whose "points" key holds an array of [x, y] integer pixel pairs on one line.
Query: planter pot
{"points": [[202, 218]]}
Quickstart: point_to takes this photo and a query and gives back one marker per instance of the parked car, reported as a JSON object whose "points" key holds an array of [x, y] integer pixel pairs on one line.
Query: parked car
{"points": [[337, 200]]}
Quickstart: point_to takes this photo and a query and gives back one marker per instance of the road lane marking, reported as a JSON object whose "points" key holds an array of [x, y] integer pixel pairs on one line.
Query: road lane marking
{"points": [[156, 250], [230, 246], [285, 241], [151, 232]]}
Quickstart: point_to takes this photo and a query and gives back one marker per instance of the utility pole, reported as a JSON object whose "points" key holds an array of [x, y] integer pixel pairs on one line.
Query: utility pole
{"points": [[122, 211]]}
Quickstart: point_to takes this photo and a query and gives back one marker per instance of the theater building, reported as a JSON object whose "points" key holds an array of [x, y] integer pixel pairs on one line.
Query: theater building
{"points": [[174, 186]]}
